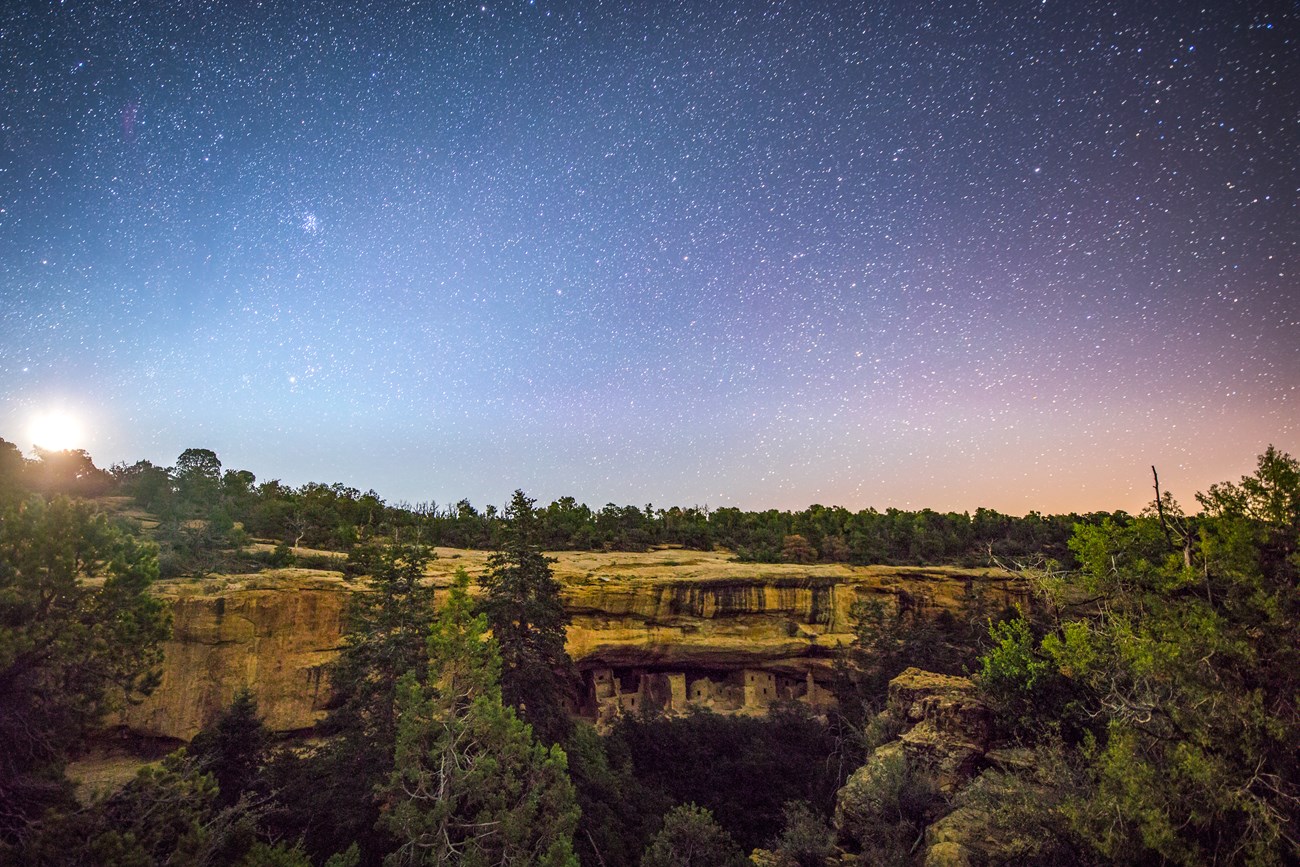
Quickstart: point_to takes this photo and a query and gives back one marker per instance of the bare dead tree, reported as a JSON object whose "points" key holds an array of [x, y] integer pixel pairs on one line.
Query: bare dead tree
{"points": [[1160, 509]]}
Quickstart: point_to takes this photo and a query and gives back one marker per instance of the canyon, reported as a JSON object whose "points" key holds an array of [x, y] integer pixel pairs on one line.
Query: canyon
{"points": [[667, 630]]}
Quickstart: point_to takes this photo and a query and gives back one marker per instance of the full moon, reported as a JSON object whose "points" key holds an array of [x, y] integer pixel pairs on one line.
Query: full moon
{"points": [[56, 430]]}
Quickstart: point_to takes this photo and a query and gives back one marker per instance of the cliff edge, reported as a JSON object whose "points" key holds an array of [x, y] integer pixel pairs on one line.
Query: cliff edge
{"points": [[669, 628]]}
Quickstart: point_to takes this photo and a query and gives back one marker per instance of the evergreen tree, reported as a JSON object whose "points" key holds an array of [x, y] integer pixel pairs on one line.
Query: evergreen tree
{"points": [[1181, 659], [691, 838], [618, 812], [79, 634], [170, 814], [470, 785], [232, 747], [742, 769], [328, 797], [387, 626], [527, 618], [806, 840]]}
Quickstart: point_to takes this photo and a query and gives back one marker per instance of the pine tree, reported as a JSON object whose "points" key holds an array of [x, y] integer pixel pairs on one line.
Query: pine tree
{"points": [[471, 786], [527, 618], [328, 797], [233, 747], [79, 634], [386, 632]]}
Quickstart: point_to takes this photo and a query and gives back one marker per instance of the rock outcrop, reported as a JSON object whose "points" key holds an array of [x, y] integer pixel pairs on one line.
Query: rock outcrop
{"points": [[946, 741], [948, 725], [944, 730], [670, 628]]}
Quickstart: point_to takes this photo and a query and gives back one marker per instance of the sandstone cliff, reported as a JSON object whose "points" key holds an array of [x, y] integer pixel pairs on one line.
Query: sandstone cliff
{"points": [[668, 627], [272, 632]]}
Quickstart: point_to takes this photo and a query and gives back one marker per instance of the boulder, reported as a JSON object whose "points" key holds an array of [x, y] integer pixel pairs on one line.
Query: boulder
{"points": [[865, 793], [948, 855], [973, 833], [960, 838]]}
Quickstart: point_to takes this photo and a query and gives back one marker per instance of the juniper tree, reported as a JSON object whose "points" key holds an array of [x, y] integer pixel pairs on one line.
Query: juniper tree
{"points": [[691, 837], [1179, 658], [471, 786]]}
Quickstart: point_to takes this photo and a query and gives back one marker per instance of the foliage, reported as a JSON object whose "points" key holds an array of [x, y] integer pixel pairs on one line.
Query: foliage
{"points": [[169, 814], [889, 638], [1023, 812], [1179, 638], [806, 840], [70, 472], [281, 556], [264, 855], [885, 807], [470, 785], [831, 534], [197, 532], [194, 548], [337, 517], [1033, 699], [79, 634], [742, 769], [350, 857], [796, 549], [327, 797], [528, 620], [690, 837], [386, 632], [13, 468], [1162, 676], [233, 747], [618, 812], [150, 486], [198, 479]]}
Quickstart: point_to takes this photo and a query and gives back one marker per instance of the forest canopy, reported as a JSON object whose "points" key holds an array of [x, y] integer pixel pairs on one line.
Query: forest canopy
{"points": [[232, 505]]}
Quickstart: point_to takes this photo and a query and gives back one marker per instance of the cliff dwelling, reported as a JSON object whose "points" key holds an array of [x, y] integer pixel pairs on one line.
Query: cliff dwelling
{"points": [[610, 692]]}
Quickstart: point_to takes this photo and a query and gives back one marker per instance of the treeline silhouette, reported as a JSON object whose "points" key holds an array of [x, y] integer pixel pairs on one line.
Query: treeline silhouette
{"points": [[234, 506]]}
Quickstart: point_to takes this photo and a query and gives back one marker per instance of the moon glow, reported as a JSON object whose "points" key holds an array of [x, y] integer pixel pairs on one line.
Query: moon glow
{"points": [[55, 430]]}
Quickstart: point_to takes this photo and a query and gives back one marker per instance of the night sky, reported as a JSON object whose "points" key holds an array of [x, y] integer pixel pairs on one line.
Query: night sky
{"points": [[763, 254]]}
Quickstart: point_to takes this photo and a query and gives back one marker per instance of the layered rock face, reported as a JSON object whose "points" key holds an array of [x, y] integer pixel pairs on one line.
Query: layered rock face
{"points": [[668, 628]]}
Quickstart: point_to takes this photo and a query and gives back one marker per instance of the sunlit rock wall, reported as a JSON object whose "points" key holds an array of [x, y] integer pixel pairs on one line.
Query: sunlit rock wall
{"points": [[275, 632]]}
